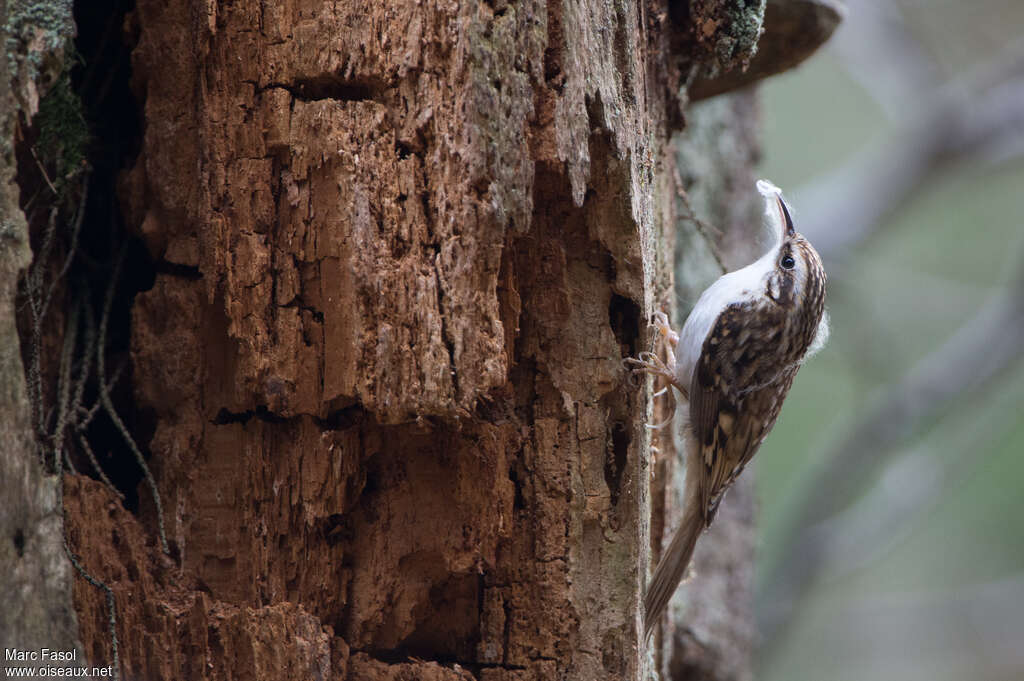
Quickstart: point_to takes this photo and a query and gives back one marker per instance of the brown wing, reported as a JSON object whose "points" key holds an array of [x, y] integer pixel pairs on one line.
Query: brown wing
{"points": [[735, 395]]}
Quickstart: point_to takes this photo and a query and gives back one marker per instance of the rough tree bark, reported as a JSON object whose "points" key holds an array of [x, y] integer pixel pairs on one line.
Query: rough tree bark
{"points": [[400, 252], [399, 256], [36, 576]]}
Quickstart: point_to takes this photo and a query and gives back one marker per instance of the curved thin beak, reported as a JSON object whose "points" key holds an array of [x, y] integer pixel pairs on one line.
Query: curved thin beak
{"points": [[787, 219], [782, 221]]}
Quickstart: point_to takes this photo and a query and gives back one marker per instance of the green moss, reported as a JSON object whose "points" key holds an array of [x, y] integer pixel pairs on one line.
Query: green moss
{"points": [[35, 30], [737, 28], [63, 132], [8, 231], [742, 31]]}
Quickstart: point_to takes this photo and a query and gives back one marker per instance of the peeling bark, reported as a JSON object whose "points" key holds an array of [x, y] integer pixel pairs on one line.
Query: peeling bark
{"points": [[399, 253]]}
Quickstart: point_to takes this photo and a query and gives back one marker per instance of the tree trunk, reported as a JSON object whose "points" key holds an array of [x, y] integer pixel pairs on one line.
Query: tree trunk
{"points": [[398, 254], [34, 571], [712, 635]]}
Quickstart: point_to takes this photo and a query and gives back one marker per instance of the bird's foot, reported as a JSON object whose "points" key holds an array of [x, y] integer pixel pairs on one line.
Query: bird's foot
{"points": [[649, 363], [665, 332]]}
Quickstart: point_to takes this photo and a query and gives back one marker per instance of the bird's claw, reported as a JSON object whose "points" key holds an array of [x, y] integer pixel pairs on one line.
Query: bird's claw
{"points": [[649, 363], [664, 330]]}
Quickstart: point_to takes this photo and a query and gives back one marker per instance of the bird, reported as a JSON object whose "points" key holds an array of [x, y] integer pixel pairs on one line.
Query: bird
{"points": [[733, 364]]}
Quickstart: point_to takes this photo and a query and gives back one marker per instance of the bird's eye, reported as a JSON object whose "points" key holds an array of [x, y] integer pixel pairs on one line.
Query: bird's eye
{"points": [[787, 262]]}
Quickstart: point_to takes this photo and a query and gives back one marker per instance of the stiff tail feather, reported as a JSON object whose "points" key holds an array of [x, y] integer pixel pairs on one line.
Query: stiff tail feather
{"points": [[674, 561]]}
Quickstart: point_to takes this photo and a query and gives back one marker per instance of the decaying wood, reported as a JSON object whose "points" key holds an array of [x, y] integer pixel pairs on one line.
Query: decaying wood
{"points": [[36, 576], [400, 252]]}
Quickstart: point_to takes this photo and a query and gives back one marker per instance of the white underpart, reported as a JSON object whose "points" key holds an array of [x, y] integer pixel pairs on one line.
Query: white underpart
{"points": [[730, 288]]}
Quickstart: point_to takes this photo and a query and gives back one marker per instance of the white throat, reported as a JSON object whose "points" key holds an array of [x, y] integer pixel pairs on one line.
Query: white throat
{"points": [[733, 287]]}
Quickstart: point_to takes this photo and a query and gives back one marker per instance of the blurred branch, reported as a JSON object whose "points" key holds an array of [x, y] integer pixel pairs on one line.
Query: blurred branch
{"points": [[978, 352], [793, 30], [862, 534], [979, 115], [879, 51], [911, 485], [971, 632]]}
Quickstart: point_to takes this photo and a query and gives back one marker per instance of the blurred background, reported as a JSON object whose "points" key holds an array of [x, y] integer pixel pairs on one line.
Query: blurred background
{"points": [[892, 489]]}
